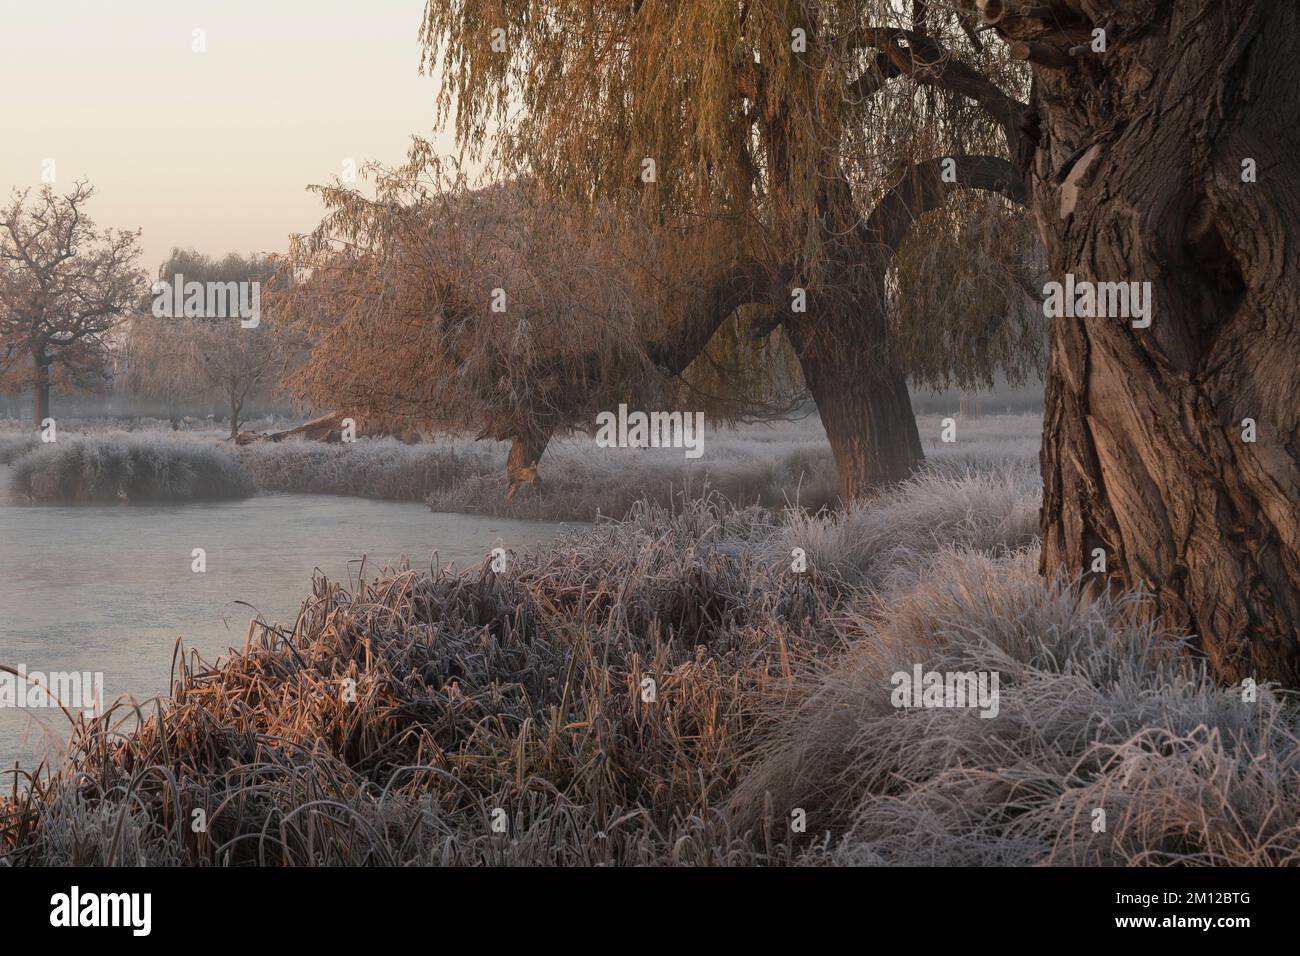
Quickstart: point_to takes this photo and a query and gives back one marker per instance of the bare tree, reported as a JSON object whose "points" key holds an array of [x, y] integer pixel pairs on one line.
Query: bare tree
{"points": [[233, 362], [180, 360], [63, 286], [212, 356]]}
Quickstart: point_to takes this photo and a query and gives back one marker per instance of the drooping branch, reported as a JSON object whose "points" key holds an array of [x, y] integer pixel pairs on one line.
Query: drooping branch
{"points": [[743, 283], [926, 185], [872, 80], [926, 61]]}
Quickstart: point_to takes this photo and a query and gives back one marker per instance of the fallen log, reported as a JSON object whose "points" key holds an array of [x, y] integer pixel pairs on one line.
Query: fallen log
{"points": [[326, 428]]}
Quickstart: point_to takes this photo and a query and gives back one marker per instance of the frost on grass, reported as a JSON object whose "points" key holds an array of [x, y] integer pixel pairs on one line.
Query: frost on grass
{"points": [[128, 468], [1099, 711], [771, 464], [759, 465], [524, 692], [370, 468]]}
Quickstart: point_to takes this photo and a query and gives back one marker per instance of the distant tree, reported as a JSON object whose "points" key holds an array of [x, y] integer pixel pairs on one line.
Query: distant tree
{"points": [[159, 366], [234, 362], [209, 357], [63, 286], [181, 361], [195, 266]]}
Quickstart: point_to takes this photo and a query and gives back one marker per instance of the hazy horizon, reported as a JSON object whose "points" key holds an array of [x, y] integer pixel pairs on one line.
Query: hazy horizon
{"points": [[210, 150]]}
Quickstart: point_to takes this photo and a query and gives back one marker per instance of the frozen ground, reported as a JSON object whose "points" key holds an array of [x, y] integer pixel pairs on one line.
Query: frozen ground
{"points": [[773, 465]]}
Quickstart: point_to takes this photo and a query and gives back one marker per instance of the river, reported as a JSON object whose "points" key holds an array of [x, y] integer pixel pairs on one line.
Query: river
{"points": [[110, 588]]}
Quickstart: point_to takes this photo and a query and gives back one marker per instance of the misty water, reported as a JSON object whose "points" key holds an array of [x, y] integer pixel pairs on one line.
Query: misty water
{"points": [[110, 588]]}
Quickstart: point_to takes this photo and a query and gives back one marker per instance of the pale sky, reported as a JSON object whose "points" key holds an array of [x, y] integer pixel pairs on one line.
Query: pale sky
{"points": [[210, 150]]}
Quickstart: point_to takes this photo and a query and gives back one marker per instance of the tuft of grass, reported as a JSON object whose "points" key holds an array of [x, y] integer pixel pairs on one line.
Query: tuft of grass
{"points": [[1100, 709], [14, 446], [128, 468], [891, 538], [370, 468]]}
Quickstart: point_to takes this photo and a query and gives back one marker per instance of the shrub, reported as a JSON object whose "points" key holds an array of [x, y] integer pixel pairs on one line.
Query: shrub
{"points": [[1099, 710], [129, 468]]}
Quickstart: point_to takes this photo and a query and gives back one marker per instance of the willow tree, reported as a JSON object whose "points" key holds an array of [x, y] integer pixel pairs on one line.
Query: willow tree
{"points": [[823, 129], [431, 304], [1167, 154], [183, 361]]}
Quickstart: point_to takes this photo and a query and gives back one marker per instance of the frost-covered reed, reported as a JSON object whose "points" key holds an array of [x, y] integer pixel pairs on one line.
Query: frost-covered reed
{"points": [[669, 690]]}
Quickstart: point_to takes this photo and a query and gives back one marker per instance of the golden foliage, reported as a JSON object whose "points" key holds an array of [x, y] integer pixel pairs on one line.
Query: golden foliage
{"points": [[496, 309]]}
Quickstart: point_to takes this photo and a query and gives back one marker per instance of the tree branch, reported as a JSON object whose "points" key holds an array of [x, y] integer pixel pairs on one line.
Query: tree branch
{"points": [[926, 185], [926, 61], [743, 283]]}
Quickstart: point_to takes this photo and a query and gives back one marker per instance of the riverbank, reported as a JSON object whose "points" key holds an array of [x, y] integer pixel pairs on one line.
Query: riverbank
{"points": [[109, 589], [132, 469], [671, 690], [775, 466]]}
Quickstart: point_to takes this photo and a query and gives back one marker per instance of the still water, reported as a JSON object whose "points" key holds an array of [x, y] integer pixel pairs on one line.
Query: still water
{"points": [[110, 588]]}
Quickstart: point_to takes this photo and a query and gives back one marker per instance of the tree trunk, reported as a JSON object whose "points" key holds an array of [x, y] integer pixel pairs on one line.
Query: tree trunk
{"points": [[320, 428], [862, 399], [40, 388], [522, 462], [1139, 177]]}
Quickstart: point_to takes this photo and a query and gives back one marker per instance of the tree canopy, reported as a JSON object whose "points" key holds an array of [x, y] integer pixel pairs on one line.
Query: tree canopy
{"points": [[175, 358], [823, 133], [504, 310]]}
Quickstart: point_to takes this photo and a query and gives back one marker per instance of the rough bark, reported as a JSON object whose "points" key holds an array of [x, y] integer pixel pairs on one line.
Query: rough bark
{"points": [[848, 365], [867, 414], [1138, 177], [861, 393]]}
